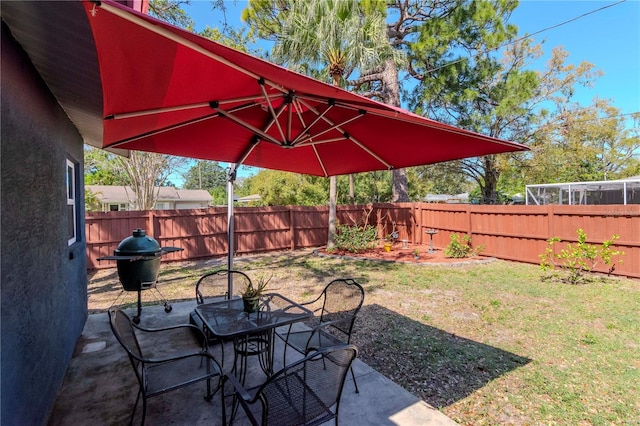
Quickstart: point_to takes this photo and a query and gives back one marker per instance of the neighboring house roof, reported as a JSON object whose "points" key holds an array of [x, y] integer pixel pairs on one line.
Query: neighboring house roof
{"points": [[122, 194], [112, 193], [249, 198], [447, 198], [194, 195]]}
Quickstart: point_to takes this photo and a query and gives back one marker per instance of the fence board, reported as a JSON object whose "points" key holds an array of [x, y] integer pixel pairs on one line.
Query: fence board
{"points": [[517, 233]]}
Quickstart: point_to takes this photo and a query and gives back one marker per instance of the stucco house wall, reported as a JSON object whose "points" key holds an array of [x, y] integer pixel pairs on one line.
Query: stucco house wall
{"points": [[44, 289]]}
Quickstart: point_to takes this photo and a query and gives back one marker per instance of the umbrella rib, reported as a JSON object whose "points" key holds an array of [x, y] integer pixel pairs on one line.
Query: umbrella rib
{"points": [[254, 142], [275, 119], [319, 160], [134, 114], [141, 113], [347, 136], [363, 147], [334, 127], [176, 126], [314, 143], [271, 110], [248, 126], [289, 119], [183, 41], [298, 108], [370, 152], [319, 99], [304, 133], [165, 129]]}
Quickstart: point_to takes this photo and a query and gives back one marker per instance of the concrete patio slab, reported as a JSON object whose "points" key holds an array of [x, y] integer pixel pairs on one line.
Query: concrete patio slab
{"points": [[100, 387]]}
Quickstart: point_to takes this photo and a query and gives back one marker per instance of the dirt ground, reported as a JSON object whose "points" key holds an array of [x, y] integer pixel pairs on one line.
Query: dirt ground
{"points": [[177, 279], [399, 254], [301, 275]]}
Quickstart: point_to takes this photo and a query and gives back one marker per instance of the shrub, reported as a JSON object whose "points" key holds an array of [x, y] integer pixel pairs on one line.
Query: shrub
{"points": [[356, 238], [578, 259], [458, 248]]}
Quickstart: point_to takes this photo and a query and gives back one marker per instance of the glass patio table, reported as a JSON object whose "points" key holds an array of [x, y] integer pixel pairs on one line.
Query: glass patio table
{"points": [[252, 333]]}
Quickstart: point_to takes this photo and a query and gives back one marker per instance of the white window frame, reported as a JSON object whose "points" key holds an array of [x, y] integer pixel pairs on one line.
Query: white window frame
{"points": [[72, 195]]}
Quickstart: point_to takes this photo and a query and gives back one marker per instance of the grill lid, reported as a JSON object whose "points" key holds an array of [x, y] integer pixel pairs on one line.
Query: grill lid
{"points": [[138, 244], [137, 247]]}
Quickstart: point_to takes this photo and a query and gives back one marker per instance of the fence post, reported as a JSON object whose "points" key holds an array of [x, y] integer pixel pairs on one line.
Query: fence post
{"points": [[292, 229], [417, 221], [151, 224], [550, 227]]}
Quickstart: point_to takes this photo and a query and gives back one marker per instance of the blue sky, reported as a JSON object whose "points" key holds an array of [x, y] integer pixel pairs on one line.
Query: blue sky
{"points": [[608, 38]]}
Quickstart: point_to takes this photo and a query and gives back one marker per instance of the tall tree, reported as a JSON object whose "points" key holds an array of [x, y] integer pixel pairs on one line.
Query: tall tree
{"points": [[433, 33], [144, 172], [585, 144], [554, 108], [99, 168], [205, 175], [208, 175], [332, 37], [171, 11], [277, 188], [503, 98]]}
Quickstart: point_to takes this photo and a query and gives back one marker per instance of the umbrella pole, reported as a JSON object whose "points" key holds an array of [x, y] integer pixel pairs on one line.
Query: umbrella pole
{"points": [[231, 177]]}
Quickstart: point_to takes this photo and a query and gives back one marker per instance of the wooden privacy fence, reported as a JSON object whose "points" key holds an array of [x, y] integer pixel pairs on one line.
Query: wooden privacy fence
{"points": [[518, 233]]}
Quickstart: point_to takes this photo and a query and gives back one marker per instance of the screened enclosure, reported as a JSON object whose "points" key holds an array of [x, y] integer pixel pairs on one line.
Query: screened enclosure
{"points": [[626, 191]]}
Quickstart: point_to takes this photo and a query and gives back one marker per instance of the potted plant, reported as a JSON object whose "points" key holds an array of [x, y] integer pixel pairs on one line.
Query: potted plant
{"points": [[390, 240], [416, 253], [252, 292]]}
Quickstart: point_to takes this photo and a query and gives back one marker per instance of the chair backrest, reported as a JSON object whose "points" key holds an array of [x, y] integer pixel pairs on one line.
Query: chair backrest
{"points": [[310, 388], [343, 299], [215, 284], [124, 332]]}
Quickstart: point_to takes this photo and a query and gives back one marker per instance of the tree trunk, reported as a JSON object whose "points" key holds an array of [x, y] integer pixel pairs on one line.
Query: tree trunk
{"points": [[333, 190], [491, 176], [400, 189], [333, 193], [391, 88], [352, 192]]}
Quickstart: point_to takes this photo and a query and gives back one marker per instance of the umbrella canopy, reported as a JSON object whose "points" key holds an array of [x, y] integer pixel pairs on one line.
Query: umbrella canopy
{"points": [[169, 91]]}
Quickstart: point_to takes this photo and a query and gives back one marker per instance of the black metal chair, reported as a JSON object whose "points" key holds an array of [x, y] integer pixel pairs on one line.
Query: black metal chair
{"points": [[341, 300], [158, 370], [306, 392], [213, 286]]}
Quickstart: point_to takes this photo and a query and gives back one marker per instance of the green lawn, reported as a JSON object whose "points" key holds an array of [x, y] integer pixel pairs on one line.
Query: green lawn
{"points": [[487, 344]]}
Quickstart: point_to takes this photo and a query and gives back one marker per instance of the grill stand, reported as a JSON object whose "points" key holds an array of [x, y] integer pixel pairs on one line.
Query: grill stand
{"points": [[143, 287]]}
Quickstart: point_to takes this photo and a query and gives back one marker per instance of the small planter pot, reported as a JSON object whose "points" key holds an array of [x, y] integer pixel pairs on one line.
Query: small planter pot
{"points": [[251, 304], [387, 247]]}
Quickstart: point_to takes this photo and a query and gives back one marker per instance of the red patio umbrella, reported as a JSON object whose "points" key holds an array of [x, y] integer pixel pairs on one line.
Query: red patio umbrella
{"points": [[169, 91]]}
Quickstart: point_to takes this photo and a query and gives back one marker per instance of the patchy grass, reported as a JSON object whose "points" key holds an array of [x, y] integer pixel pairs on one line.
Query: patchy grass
{"points": [[487, 344]]}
